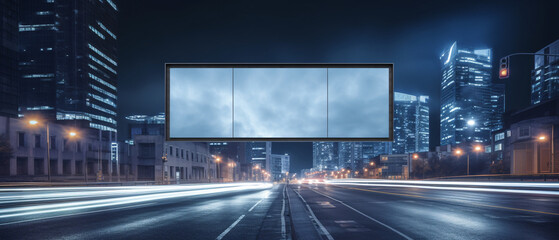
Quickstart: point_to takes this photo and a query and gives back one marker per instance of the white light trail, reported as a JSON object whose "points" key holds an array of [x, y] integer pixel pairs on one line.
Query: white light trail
{"points": [[170, 192], [455, 183]]}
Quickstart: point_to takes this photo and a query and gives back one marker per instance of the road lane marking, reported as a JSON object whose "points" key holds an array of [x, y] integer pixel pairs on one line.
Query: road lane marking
{"points": [[438, 199], [322, 229], [283, 230], [367, 216], [238, 220], [230, 227], [326, 204], [76, 214], [250, 210]]}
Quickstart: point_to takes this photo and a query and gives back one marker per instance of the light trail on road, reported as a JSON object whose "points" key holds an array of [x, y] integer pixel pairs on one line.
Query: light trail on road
{"points": [[138, 195], [456, 183]]}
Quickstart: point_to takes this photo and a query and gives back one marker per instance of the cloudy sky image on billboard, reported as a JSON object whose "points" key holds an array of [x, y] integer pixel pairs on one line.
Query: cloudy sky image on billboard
{"points": [[278, 102]]}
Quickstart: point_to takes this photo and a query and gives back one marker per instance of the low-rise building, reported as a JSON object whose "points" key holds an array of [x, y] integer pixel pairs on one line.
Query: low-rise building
{"points": [[67, 152], [527, 143], [395, 166], [154, 159]]}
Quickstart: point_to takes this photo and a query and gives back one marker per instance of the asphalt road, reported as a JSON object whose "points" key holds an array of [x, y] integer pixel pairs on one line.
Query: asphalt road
{"points": [[335, 210], [388, 212], [218, 211]]}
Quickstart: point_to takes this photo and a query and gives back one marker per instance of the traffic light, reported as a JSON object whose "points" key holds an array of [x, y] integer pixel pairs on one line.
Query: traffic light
{"points": [[504, 68]]}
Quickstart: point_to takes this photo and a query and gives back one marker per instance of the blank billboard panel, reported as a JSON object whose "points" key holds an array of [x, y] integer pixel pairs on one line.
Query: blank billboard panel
{"points": [[279, 102]]}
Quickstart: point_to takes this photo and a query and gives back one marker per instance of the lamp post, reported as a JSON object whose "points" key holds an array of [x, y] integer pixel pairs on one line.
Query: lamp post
{"points": [[73, 134], [459, 152], [255, 168], [541, 138], [163, 161], [415, 156], [217, 163], [34, 123]]}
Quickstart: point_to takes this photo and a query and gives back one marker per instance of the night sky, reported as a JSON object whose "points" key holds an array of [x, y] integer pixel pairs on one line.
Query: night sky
{"points": [[410, 34]]}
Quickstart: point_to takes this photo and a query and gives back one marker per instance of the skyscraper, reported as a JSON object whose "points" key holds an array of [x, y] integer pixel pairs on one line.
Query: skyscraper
{"points": [[350, 155], [411, 123], [68, 61], [8, 58], [411, 128], [279, 166], [259, 153], [471, 102], [545, 76], [345, 155], [325, 156]]}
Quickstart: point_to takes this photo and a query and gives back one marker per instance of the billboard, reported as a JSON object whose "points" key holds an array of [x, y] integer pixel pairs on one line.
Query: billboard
{"points": [[279, 102]]}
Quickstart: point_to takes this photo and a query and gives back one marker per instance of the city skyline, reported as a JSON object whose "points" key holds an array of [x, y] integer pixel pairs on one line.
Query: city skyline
{"points": [[105, 61], [171, 119], [288, 34]]}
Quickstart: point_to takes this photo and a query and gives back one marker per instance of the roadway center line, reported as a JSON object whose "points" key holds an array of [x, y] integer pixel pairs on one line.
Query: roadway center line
{"points": [[365, 215], [229, 228], [283, 231], [321, 227]]}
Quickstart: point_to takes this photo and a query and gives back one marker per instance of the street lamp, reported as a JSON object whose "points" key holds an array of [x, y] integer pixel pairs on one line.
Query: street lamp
{"points": [[34, 123], [541, 139], [459, 152], [73, 134], [471, 122], [163, 161], [217, 163]]}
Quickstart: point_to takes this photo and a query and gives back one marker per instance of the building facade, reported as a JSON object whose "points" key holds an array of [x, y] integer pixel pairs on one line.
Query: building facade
{"points": [[545, 76], [68, 61], [279, 166], [154, 159], [234, 152], [146, 125], [526, 145], [9, 78], [325, 156], [350, 155], [411, 128], [76, 154], [411, 123], [395, 166], [471, 102], [259, 153]]}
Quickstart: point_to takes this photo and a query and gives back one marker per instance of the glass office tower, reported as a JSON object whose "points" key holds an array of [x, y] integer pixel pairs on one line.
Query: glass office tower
{"points": [[471, 102], [8, 58], [325, 156], [545, 76], [68, 61], [411, 123], [411, 128]]}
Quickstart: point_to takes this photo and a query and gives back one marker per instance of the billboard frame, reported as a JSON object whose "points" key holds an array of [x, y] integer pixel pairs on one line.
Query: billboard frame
{"points": [[389, 66]]}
